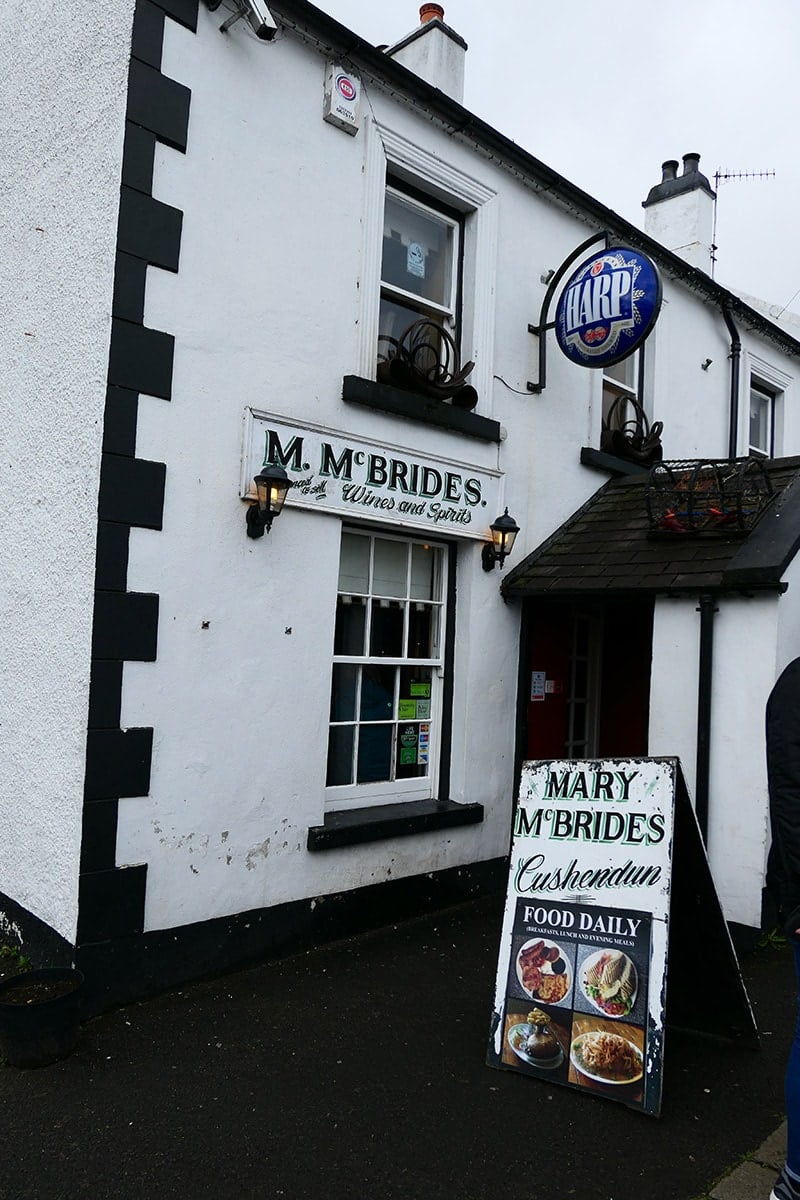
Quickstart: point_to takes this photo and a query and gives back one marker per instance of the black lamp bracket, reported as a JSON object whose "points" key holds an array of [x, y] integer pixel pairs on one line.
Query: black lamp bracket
{"points": [[544, 325], [257, 523], [488, 557]]}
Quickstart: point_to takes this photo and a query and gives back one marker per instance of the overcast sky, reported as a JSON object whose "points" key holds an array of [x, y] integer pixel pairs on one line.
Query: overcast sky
{"points": [[604, 94]]}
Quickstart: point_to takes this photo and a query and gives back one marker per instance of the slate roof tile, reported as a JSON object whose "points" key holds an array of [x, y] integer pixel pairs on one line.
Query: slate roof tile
{"points": [[606, 546]]}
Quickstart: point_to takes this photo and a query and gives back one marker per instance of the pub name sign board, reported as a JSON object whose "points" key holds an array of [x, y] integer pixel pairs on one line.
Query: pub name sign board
{"points": [[354, 478], [579, 996]]}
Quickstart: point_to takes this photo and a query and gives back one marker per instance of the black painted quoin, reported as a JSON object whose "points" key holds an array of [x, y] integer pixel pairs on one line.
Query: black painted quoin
{"points": [[111, 899], [120, 960]]}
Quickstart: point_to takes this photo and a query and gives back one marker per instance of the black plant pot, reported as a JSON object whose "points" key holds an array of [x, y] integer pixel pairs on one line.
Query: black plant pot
{"points": [[39, 1015]]}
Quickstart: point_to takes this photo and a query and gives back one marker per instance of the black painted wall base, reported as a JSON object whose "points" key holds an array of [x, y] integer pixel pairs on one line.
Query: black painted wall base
{"points": [[132, 968], [34, 937]]}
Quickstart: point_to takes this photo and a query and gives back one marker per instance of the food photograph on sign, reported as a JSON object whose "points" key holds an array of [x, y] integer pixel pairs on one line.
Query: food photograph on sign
{"points": [[579, 996]]}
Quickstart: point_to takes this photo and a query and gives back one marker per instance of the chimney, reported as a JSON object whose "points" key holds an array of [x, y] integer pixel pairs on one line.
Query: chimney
{"points": [[679, 212], [434, 51]]}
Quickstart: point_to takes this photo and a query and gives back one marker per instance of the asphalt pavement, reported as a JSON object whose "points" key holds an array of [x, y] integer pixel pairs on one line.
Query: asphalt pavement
{"points": [[357, 1070]]}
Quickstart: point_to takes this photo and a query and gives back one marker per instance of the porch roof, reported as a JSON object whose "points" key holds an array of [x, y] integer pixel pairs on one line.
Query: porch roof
{"points": [[604, 549]]}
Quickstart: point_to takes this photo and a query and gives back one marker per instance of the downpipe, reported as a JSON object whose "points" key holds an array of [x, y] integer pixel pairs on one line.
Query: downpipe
{"points": [[736, 358], [703, 767]]}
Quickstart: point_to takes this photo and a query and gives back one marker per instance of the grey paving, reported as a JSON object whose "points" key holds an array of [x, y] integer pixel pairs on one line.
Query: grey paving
{"points": [[357, 1072], [753, 1179]]}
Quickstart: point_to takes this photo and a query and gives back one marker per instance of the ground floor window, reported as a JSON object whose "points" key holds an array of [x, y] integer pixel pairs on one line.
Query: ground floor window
{"points": [[388, 668]]}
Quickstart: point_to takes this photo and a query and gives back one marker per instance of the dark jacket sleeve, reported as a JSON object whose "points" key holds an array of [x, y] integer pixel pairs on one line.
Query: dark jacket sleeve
{"points": [[783, 771]]}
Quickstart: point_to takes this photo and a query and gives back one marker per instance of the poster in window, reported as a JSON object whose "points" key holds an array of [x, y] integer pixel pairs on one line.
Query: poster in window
{"points": [[407, 743]]}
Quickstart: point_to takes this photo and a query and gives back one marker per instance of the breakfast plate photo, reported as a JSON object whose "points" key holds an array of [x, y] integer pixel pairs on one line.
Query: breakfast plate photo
{"points": [[543, 971]]}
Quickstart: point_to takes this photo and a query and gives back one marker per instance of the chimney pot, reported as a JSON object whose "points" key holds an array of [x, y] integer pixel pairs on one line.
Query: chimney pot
{"points": [[430, 12], [691, 164], [669, 169]]}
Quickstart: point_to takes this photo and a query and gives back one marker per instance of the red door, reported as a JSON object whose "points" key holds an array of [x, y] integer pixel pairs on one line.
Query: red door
{"points": [[588, 679]]}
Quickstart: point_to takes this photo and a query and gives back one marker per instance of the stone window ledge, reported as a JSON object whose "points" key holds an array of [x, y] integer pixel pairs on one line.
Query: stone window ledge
{"points": [[415, 407], [352, 827]]}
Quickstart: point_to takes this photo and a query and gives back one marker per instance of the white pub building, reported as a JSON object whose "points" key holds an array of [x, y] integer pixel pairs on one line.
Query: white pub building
{"points": [[238, 716]]}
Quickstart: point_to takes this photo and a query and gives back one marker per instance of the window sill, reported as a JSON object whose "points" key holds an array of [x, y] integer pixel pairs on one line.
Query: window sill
{"points": [[354, 826], [414, 407], [602, 461]]}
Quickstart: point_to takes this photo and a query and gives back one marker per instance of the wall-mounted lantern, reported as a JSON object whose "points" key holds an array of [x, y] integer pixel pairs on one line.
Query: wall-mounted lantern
{"points": [[272, 484], [504, 530]]}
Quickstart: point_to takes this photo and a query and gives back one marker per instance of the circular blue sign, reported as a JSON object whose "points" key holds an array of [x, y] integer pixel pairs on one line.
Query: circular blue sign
{"points": [[608, 307]]}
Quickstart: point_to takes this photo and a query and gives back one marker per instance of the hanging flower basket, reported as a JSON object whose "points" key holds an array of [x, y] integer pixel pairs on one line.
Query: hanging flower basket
{"points": [[707, 496], [40, 1015]]}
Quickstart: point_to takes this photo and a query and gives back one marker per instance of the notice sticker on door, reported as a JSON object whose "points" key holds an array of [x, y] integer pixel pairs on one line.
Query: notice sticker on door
{"points": [[538, 685]]}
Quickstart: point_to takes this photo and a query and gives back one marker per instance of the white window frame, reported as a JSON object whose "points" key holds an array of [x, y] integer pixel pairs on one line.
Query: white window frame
{"points": [[768, 394], [618, 388], [388, 153], [763, 374], [448, 314], [424, 787]]}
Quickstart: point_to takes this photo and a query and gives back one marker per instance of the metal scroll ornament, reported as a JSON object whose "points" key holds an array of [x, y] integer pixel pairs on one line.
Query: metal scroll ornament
{"points": [[425, 359], [634, 438], [713, 496]]}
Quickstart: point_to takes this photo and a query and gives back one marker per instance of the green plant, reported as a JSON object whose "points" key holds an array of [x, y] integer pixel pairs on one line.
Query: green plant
{"points": [[773, 940], [12, 960]]}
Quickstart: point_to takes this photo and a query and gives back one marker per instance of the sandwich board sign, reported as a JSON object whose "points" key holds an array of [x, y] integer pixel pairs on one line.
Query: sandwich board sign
{"points": [[591, 913]]}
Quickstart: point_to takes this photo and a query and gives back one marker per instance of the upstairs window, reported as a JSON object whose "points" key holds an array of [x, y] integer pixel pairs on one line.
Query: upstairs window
{"points": [[420, 272], [761, 436], [620, 386]]}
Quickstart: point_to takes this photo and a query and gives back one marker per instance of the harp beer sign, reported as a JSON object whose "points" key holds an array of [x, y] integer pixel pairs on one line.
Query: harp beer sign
{"points": [[608, 307]]}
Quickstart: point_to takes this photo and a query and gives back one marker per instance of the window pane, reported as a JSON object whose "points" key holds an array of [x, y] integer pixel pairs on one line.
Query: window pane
{"points": [[418, 251], [624, 372], [354, 564], [343, 692], [415, 694], [760, 415], [389, 573], [579, 721], [617, 412], [351, 614], [425, 573], [377, 693], [410, 742], [424, 349], [340, 755], [386, 636], [423, 621], [375, 753], [580, 688]]}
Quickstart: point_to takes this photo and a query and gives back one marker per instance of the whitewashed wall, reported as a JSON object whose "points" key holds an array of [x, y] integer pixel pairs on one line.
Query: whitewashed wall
{"points": [[276, 285], [63, 79], [745, 632]]}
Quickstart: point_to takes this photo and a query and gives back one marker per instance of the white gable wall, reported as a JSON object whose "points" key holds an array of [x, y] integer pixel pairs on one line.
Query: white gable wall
{"points": [[63, 88]]}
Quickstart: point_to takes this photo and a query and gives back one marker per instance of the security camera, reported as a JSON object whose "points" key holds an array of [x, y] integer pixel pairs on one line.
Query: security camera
{"points": [[261, 20]]}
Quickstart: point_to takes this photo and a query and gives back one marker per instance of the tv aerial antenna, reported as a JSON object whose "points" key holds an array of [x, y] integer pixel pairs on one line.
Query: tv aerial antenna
{"points": [[725, 176]]}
